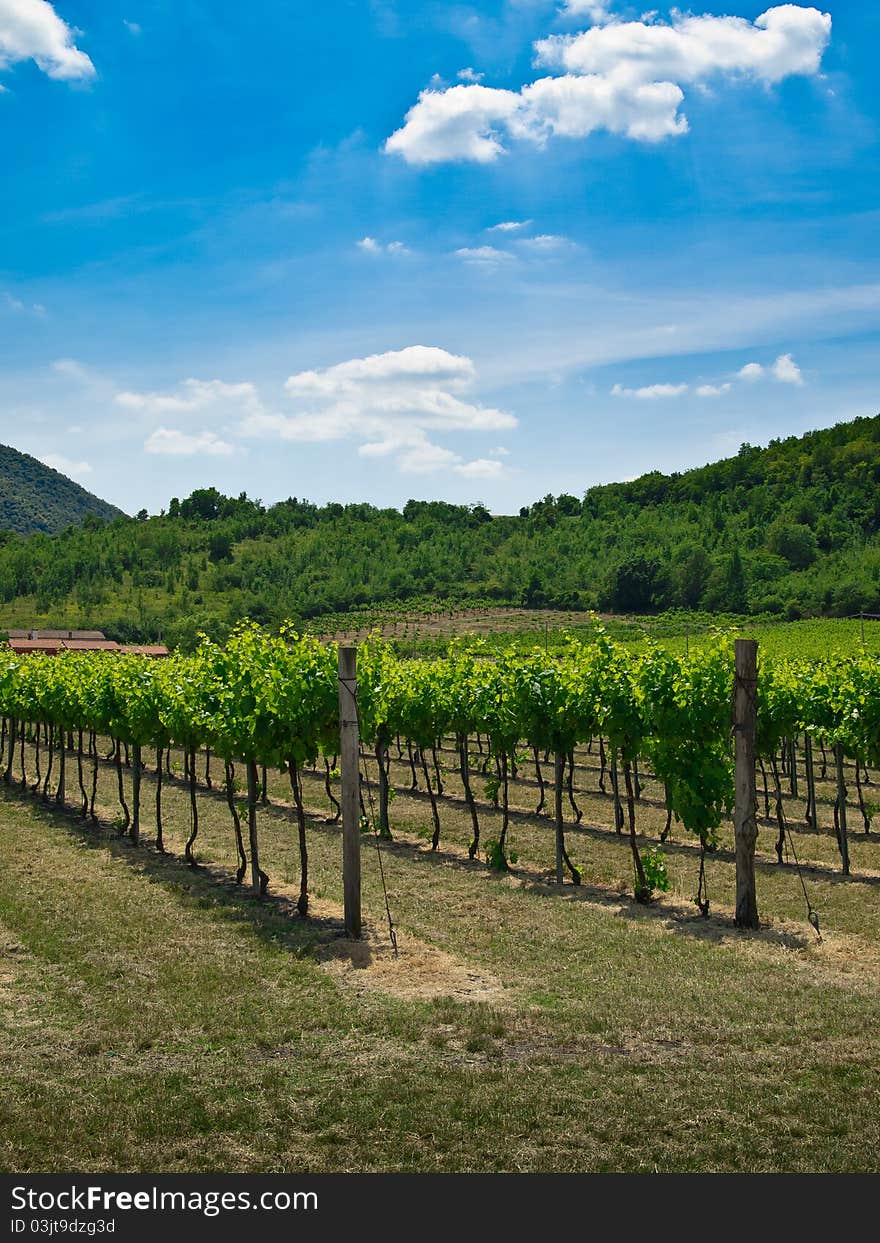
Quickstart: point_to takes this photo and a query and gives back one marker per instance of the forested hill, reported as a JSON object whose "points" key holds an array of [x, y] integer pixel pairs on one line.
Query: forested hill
{"points": [[34, 497], [792, 529]]}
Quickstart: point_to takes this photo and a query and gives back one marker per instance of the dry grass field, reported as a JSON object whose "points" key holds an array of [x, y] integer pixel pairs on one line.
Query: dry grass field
{"points": [[158, 1017]]}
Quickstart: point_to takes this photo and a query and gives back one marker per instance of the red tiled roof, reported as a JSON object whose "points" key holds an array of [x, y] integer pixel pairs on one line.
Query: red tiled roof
{"points": [[89, 645], [50, 646]]}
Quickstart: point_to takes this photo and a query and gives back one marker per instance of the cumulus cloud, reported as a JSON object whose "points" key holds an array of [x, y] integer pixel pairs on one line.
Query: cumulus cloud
{"points": [[32, 30], [370, 246], [595, 10], [785, 40], [416, 364], [191, 396], [484, 256], [469, 75], [547, 242], [786, 370], [172, 442], [389, 403], [215, 398], [508, 226], [650, 392], [469, 122], [461, 123], [425, 458], [480, 468], [622, 77]]}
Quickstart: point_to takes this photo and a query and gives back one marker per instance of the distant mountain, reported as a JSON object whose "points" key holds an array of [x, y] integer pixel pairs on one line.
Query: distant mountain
{"points": [[34, 497]]}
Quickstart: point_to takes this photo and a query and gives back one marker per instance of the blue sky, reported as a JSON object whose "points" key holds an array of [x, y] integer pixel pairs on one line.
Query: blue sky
{"points": [[258, 246]]}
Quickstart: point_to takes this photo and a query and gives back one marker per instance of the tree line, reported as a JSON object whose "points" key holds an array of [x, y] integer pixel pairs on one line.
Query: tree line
{"points": [[789, 530]]}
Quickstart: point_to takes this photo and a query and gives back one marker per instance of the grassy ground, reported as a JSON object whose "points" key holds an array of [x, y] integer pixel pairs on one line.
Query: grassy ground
{"points": [[155, 1017]]}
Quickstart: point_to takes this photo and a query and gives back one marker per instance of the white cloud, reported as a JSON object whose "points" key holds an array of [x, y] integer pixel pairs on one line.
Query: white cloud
{"points": [[170, 441], [469, 75], [623, 77], [192, 395], [572, 106], [484, 256], [22, 308], [786, 370], [230, 403], [425, 458], [67, 466], [785, 40], [650, 392], [547, 242], [509, 226], [32, 30], [73, 370], [133, 28], [460, 123], [415, 364], [388, 403], [480, 468], [596, 10], [470, 122], [371, 247]]}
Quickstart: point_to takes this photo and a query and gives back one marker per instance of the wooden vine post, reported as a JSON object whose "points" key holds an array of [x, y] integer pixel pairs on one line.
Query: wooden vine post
{"points": [[745, 820], [253, 788], [841, 806], [349, 755], [559, 774]]}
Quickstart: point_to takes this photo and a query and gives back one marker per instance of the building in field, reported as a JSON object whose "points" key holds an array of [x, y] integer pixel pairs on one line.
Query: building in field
{"points": [[51, 642]]}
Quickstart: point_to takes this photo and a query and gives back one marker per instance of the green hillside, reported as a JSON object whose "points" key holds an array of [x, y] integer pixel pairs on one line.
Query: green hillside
{"points": [[34, 497], [791, 530]]}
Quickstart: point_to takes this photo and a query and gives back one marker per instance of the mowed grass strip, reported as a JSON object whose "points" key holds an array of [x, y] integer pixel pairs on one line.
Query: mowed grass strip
{"points": [[157, 1018]]}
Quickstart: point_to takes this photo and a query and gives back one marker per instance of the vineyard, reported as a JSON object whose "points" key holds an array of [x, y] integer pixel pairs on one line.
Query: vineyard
{"points": [[650, 729], [171, 1009]]}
